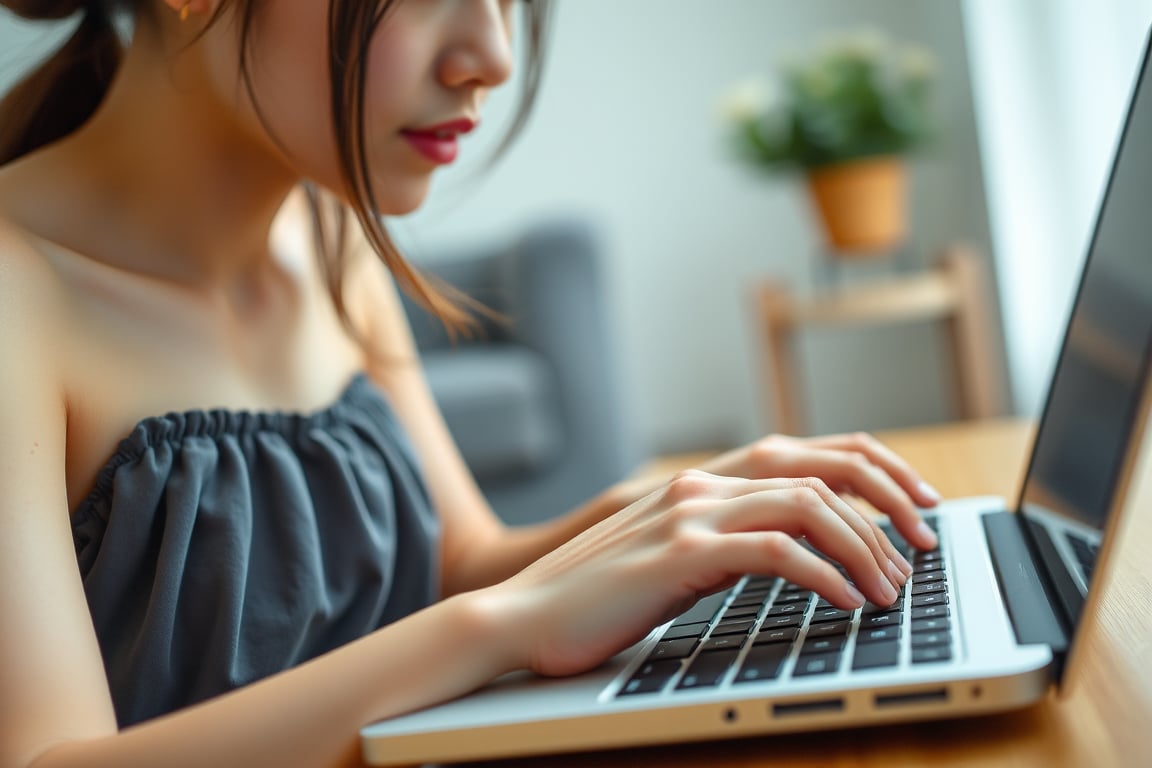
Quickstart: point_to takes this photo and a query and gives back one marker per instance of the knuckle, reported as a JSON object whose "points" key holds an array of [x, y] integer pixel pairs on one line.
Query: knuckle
{"points": [[818, 486], [765, 448], [686, 485], [860, 440], [680, 514], [686, 541], [807, 498], [776, 545]]}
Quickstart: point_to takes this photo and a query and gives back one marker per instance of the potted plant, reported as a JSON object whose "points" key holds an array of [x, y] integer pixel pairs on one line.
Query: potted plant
{"points": [[844, 116]]}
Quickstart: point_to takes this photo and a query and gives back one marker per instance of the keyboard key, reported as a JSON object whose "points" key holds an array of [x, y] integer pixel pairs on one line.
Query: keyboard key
{"points": [[741, 612], [818, 664], [778, 622], [723, 643], [785, 635], [921, 639], [651, 677], [871, 608], [786, 608], [738, 627], [762, 663], [927, 556], [931, 653], [881, 620], [821, 645], [927, 589], [872, 655], [927, 567], [704, 610], [924, 601], [930, 612], [684, 630], [822, 615], [708, 669], [830, 629], [931, 625], [793, 597], [878, 634], [673, 649], [927, 578], [751, 601], [761, 582]]}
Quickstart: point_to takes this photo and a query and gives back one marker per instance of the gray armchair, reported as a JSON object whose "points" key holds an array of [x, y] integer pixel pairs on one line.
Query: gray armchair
{"points": [[534, 404]]}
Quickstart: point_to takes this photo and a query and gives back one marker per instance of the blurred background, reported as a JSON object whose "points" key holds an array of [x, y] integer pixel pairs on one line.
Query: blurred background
{"points": [[627, 139]]}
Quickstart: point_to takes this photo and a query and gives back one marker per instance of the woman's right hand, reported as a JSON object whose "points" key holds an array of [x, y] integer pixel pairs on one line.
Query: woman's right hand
{"points": [[608, 587]]}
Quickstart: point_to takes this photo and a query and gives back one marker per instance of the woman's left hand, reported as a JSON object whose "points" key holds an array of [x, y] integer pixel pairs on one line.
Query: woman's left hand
{"points": [[850, 464]]}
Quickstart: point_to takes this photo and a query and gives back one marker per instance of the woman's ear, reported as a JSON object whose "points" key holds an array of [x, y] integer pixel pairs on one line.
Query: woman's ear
{"points": [[186, 9]]}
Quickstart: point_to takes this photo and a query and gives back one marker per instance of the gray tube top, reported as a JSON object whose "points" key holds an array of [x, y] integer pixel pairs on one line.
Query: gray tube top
{"points": [[220, 547]]}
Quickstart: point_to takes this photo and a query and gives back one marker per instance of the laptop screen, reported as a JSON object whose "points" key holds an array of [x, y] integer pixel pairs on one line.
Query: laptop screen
{"points": [[1095, 399]]}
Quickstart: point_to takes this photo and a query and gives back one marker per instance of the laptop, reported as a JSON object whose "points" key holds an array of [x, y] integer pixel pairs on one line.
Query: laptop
{"points": [[987, 622]]}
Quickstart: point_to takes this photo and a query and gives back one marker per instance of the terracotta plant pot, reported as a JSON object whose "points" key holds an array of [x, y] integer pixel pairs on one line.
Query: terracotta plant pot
{"points": [[863, 206]]}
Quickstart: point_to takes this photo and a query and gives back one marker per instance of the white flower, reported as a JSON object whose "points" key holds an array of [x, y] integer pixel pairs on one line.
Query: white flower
{"points": [[917, 63], [748, 99], [866, 43]]}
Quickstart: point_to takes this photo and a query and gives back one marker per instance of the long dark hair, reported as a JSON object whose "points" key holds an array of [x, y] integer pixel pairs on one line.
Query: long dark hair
{"points": [[64, 91]]}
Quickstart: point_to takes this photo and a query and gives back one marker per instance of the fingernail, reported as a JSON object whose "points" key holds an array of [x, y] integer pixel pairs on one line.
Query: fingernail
{"points": [[928, 491], [854, 595], [928, 534], [897, 576], [888, 591], [903, 564]]}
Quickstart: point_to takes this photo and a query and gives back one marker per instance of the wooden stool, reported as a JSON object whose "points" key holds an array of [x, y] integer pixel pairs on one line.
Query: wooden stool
{"points": [[955, 294]]}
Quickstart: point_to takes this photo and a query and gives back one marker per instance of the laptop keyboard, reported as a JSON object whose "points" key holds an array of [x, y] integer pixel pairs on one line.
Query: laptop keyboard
{"points": [[766, 628], [1085, 551]]}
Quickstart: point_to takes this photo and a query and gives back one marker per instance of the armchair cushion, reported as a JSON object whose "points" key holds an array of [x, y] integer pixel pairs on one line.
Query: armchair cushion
{"points": [[500, 402], [533, 403]]}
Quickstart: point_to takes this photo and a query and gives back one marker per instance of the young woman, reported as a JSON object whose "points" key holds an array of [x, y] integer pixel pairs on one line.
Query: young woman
{"points": [[233, 527]]}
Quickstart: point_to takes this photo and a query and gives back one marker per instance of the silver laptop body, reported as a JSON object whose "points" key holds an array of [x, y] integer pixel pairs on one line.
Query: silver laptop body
{"points": [[986, 624]]}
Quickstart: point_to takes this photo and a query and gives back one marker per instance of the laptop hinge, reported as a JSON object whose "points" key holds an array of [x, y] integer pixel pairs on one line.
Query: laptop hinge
{"points": [[1024, 585]]}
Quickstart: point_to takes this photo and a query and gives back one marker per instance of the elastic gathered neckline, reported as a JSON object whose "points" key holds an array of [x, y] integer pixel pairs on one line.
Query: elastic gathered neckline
{"points": [[175, 427]]}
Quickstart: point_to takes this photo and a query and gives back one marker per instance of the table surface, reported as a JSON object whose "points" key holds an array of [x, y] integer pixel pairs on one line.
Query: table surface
{"points": [[1103, 717]]}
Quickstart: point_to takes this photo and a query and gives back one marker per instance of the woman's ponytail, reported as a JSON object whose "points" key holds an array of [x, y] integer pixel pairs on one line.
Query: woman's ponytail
{"points": [[63, 92]]}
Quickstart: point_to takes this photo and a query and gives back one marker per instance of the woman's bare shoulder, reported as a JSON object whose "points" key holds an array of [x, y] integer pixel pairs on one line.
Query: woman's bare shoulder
{"points": [[31, 384], [31, 292]]}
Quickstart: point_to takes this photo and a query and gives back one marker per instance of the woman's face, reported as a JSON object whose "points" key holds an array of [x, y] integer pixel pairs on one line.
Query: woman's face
{"points": [[431, 64]]}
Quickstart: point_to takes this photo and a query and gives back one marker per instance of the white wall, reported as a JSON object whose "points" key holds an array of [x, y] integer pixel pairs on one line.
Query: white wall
{"points": [[22, 42], [1052, 79], [626, 133]]}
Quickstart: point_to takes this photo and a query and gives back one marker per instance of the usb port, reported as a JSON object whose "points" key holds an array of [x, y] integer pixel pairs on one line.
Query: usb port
{"points": [[807, 707], [914, 697]]}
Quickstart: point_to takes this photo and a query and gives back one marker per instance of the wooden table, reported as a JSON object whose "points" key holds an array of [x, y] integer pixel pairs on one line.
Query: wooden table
{"points": [[1105, 718]]}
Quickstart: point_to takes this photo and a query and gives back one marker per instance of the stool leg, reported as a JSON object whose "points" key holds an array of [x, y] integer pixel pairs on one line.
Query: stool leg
{"points": [[775, 307], [970, 331]]}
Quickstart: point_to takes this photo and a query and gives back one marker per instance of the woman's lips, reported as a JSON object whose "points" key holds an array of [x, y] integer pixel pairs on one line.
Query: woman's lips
{"points": [[438, 142]]}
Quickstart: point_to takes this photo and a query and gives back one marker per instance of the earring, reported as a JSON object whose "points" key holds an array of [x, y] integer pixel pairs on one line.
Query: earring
{"points": [[185, 11]]}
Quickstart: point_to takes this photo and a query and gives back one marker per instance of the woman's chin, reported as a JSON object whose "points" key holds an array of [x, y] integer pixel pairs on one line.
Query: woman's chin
{"points": [[400, 202]]}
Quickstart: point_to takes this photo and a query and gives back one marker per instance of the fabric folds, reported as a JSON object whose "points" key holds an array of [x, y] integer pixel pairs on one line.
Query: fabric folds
{"points": [[219, 547]]}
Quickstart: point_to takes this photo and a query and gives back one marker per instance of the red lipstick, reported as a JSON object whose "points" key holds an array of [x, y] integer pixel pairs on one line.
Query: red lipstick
{"points": [[438, 143]]}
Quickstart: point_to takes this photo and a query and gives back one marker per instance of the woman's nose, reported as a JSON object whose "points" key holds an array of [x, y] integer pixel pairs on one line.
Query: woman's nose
{"points": [[480, 49]]}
